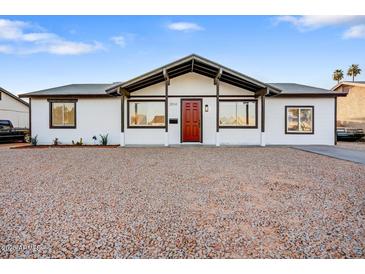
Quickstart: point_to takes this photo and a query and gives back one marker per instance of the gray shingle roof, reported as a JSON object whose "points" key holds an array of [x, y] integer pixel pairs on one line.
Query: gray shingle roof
{"points": [[73, 89], [292, 88]]}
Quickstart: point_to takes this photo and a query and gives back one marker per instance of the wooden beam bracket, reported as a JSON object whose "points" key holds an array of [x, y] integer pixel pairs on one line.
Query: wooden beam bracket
{"points": [[124, 92], [262, 92], [219, 74], [166, 76]]}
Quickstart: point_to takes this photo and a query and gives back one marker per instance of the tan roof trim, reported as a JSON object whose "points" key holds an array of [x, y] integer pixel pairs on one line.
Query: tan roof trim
{"points": [[353, 84]]}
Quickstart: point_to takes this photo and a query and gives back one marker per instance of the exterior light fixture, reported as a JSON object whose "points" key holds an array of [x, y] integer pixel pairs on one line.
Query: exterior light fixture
{"points": [[206, 108]]}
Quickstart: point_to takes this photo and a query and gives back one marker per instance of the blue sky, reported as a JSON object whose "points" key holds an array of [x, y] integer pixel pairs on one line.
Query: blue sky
{"points": [[38, 52]]}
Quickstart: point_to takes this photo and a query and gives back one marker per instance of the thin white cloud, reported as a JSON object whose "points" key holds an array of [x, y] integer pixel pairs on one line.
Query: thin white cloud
{"points": [[185, 26], [34, 37], [22, 39], [355, 23], [119, 40], [62, 47], [310, 22], [12, 30], [357, 31], [6, 49]]}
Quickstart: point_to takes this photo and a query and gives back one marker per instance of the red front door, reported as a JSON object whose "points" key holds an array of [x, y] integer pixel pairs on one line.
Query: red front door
{"points": [[191, 120]]}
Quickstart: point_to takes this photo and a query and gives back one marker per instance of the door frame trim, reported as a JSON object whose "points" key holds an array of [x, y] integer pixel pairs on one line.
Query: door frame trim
{"points": [[201, 119]]}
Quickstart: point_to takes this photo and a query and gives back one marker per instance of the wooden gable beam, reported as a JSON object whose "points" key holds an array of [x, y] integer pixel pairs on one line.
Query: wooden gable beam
{"points": [[124, 92], [166, 76], [219, 74], [261, 92]]}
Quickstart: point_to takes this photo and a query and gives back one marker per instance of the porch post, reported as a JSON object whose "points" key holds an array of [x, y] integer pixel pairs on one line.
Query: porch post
{"points": [[216, 82], [122, 137], [30, 118], [262, 141], [167, 83], [335, 124]]}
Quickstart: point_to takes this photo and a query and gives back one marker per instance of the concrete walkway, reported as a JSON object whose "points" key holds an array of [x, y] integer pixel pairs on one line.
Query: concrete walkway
{"points": [[356, 156]]}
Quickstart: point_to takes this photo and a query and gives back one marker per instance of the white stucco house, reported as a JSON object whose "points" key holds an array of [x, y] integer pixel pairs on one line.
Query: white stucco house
{"points": [[190, 101], [14, 109]]}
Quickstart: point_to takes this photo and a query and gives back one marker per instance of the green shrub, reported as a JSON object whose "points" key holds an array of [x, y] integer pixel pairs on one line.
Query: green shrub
{"points": [[56, 142], [104, 139], [78, 143]]}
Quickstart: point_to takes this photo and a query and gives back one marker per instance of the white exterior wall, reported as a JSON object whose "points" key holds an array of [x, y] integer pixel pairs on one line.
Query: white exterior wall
{"points": [[94, 116], [13, 110], [323, 121], [102, 115], [242, 136], [192, 84]]}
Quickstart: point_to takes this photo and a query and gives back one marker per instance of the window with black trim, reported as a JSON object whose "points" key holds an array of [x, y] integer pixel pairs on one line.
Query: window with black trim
{"points": [[62, 114], [146, 114], [238, 114], [299, 119]]}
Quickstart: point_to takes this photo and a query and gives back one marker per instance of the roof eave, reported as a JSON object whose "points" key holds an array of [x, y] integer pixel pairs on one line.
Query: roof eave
{"points": [[14, 96], [113, 89], [347, 84], [29, 95], [334, 94]]}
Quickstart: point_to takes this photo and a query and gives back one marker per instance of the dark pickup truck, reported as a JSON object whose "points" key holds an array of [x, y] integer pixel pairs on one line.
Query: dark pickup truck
{"points": [[10, 134], [349, 134]]}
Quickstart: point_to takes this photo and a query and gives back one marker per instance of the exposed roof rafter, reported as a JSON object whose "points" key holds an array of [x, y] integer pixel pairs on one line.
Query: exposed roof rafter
{"points": [[197, 64]]}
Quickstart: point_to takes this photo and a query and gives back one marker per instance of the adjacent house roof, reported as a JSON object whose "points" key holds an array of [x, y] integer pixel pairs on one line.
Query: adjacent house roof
{"points": [[71, 90], [348, 83], [197, 64], [13, 96], [293, 89]]}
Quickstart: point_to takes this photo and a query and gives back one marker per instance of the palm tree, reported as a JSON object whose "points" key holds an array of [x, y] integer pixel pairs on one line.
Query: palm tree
{"points": [[353, 71], [337, 75]]}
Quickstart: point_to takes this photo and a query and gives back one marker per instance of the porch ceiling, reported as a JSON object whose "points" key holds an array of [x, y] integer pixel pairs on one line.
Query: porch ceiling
{"points": [[197, 64]]}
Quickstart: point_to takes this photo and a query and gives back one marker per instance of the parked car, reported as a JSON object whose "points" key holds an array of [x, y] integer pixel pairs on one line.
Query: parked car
{"points": [[349, 134], [10, 134]]}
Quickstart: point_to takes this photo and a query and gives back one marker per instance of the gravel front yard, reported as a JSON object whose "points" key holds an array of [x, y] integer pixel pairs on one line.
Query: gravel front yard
{"points": [[180, 203]]}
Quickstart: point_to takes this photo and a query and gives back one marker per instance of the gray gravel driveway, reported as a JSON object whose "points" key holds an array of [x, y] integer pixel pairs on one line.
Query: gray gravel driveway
{"points": [[180, 203]]}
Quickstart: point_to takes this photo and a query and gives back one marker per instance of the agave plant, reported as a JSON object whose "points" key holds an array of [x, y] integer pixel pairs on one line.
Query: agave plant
{"points": [[34, 140], [104, 139], [56, 142]]}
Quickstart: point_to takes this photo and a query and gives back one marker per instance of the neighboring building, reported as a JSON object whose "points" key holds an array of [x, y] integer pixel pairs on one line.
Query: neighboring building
{"points": [[14, 109], [190, 101], [351, 109]]}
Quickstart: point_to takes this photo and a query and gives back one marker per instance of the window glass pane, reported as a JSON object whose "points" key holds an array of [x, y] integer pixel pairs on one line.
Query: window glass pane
{"points": [[240, 113], [69, 114], [306, 119], [251, 114], [293, 119], [57, 114], [227, 113], [63, 114], [147, 113]]}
